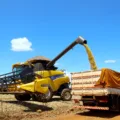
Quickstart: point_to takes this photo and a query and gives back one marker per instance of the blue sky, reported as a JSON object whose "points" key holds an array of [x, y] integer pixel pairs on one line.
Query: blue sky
{"points": [[48, 26]]}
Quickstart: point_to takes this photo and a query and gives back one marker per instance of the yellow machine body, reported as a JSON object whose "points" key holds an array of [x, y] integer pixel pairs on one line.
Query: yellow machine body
{"points": [[44, 80]]}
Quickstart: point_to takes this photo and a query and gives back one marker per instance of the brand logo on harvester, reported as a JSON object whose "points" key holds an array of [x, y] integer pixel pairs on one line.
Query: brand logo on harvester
{"points": [[56, 76]]}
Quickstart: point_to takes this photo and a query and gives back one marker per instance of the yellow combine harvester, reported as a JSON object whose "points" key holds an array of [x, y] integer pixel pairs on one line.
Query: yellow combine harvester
{"points": [[38, 78], [41, 84]]}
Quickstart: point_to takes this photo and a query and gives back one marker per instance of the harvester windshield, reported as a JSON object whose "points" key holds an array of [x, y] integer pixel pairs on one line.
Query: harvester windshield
{"points": [[18, 69]]}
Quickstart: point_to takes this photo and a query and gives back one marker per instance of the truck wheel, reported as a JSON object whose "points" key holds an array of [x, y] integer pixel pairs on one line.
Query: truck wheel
{"points": [[22, 97], [66, 94]]}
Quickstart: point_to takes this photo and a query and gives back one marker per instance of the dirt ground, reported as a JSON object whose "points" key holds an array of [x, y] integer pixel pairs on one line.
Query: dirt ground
{"points": [[10, 109]]}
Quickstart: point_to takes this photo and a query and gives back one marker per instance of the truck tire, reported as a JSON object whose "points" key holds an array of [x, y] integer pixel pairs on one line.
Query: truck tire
{"points": [[22, 97], [66, 94]]}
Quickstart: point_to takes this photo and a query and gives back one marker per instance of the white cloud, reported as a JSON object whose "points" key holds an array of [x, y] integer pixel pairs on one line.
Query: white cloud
{"points": [[110, 61], [21, 44]]}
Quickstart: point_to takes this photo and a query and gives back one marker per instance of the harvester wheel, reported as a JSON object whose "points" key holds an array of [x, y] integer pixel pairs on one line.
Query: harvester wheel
{"points": [[34, 97], [48, 96], [45, 97], [22, 97], [66, 94]]}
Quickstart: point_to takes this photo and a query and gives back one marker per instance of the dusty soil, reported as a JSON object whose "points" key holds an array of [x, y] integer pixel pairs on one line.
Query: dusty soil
{"points": [[10, 109]]}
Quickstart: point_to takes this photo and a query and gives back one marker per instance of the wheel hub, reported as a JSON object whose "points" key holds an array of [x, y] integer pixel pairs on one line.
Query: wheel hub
{"points": [[67, 95]]}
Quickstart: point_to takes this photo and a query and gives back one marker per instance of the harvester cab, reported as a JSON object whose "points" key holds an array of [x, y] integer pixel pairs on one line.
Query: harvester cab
{"points": [[10, 81]]}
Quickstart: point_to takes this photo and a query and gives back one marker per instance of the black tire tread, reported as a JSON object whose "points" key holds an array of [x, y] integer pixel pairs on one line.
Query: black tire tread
{"points": [[22, 97]]}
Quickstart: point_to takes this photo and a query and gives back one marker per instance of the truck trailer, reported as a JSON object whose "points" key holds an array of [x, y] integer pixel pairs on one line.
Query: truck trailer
{"points": [[93, 96]]}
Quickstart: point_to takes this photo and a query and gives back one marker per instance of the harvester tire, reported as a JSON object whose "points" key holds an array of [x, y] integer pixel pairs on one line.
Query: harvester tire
{"points": [[48, 96], [34, 97], [45, 97], [22, 97], [66, 94]]}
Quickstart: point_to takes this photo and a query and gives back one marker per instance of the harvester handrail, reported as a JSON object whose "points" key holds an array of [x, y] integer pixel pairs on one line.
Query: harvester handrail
{"points": [[9, 73]]}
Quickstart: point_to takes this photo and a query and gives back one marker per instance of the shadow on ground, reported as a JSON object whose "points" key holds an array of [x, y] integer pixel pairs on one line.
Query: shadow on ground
{"points": [[32, 107], [56, 99], [98, 113]]}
